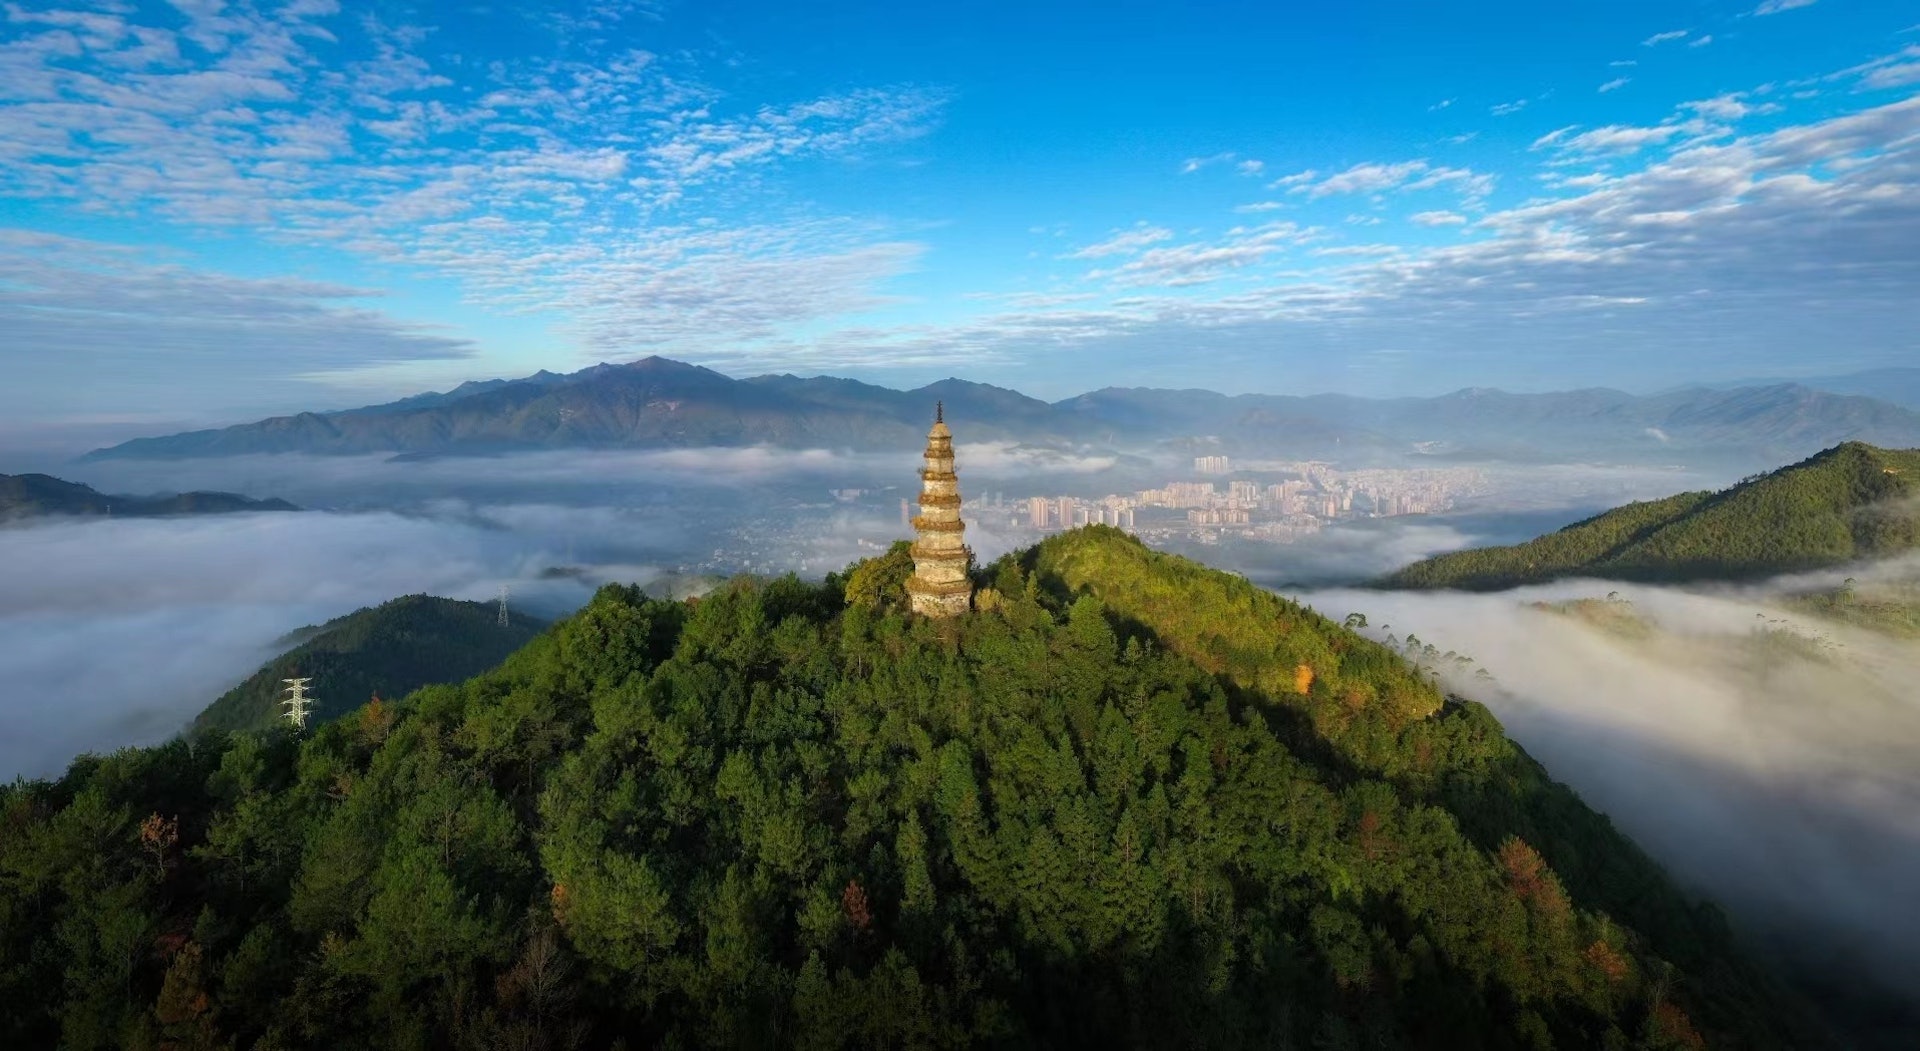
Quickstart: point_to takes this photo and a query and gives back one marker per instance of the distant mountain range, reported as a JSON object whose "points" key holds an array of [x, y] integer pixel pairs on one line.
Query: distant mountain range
{"points": [[390, 650], [1850, 502], [1899, 386], [32, 495], [656, 403]]}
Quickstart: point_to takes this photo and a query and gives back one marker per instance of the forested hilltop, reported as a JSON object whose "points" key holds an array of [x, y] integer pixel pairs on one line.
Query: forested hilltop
{"points": [[387, 650], [1129, 801], [1852, 501]]}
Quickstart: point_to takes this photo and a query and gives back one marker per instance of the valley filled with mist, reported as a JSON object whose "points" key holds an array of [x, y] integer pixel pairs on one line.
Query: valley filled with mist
{"points": [[632, 523], [1764, 755]]}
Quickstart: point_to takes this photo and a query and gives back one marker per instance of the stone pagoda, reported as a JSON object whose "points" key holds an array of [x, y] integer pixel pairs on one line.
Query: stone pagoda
{"points": [[939, 586]]}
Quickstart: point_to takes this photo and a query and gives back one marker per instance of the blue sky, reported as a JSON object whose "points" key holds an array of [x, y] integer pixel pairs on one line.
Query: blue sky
{"points": [[216, 210]]}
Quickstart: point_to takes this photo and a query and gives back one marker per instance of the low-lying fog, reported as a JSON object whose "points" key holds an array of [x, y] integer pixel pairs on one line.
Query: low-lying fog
{"points": [[1769, 759], [117, 632], [1772, 761]]}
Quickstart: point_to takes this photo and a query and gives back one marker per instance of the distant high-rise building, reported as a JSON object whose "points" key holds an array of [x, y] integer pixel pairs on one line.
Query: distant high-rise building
{"points": [[1037, 508], [1210, 464], [939, 586]]}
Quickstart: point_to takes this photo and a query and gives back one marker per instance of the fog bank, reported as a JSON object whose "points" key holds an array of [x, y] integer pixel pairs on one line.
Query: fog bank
{"points": [[1768, 759]]}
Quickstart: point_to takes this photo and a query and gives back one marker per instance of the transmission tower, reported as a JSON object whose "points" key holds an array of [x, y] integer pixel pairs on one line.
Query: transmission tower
{"points": [[297, 704], [503, 605]]}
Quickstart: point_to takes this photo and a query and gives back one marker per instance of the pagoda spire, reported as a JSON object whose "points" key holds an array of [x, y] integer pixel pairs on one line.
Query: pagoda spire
{"points": [[939, 586]]}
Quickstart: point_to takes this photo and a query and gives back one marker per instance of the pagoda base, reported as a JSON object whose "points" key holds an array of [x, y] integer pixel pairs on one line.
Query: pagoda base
{"points": [[948, 598], [935, 605]]}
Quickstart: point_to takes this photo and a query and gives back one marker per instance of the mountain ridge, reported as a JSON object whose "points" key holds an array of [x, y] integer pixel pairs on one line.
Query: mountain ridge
{"points": [[37, 495], [660, 403], [1845, 503]]}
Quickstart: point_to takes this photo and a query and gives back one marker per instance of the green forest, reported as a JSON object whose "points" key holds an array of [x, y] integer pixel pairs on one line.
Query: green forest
{"points": [[1853, 501], [1128, 801], [388, 650]]}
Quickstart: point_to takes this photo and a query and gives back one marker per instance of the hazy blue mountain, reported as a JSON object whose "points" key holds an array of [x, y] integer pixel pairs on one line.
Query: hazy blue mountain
{"points": [[1775, 422], [1901, 386], [30, 495], [656, 403]]}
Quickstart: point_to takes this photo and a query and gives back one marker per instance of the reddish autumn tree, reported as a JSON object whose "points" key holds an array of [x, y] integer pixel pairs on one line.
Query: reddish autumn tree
{"points": [[853, 902], [157, 837]]}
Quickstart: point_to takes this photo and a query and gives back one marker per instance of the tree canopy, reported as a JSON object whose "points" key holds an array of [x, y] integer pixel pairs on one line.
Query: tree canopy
{"points": [[1135, 803]]}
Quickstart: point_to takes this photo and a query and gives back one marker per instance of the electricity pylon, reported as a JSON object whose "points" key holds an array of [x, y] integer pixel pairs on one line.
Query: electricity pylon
{"points": [[503, 605], [297, 703]]}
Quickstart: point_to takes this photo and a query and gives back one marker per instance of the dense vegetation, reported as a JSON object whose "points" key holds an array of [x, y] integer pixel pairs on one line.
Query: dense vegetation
{"points": [[30, 495], [1128, 802], [389, 651], [1850, 502]]}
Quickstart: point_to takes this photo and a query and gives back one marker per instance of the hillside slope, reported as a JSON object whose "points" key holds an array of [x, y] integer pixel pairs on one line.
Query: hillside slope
{"points": [[33, 495], [390, 650], [1850, 502], [1129, 802]]}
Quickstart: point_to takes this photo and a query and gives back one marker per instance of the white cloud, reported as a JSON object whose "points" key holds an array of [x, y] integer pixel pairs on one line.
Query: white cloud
{"points": [[1614, 138], [1706, 254], [1185, 265], [1661, 38], [1892, 76], [1439, 218], [1507, 108], [1373, 177], [1286, 182], [75, 308], [555, 190], [1701, 41], [1730, 106], [1615, 84], [1194, 164], [1250, 167], [1440, 105], [1124, 242], [1554, 136], [1774, 7]]}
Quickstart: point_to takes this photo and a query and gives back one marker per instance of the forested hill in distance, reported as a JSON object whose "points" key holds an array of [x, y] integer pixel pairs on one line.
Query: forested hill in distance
{"points": [[1127, 802], [659, 403], [1851, 502], [35, 495], [389, 650]]}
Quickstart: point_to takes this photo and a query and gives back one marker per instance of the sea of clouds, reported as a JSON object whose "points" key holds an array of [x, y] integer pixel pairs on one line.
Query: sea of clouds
{"points": [[1767, 759], [1785, 785]]}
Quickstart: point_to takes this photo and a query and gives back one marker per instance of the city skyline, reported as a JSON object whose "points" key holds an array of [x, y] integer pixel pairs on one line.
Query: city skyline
{"points": [[212, 210]]}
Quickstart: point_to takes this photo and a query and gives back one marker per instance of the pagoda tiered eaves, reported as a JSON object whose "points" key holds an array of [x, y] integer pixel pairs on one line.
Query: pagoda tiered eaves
{"points": [[940, 586]]}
